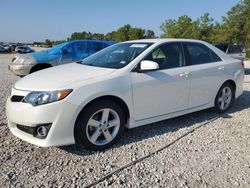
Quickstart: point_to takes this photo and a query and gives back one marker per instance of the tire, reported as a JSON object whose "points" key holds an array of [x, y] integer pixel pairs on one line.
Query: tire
{"points": [[95, 130], [224, 98]]}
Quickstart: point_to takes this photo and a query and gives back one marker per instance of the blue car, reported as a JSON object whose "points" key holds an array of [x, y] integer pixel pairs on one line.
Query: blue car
{"points": [[67, 52]]}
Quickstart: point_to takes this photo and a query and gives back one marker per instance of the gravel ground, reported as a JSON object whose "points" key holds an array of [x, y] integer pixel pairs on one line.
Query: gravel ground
{"points": [[203, 149]]}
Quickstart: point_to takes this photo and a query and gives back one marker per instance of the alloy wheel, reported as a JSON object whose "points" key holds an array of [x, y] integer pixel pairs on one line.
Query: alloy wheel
{"points": [[103, 126], [225, 98]]}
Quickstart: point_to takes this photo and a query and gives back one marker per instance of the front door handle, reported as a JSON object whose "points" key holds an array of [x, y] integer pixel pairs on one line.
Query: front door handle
{"points": [[221, 68]]}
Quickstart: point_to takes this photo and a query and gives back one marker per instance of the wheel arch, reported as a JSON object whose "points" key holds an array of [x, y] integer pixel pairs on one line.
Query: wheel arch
{"points": [[116, 99], [40, 66], [232, 83]]}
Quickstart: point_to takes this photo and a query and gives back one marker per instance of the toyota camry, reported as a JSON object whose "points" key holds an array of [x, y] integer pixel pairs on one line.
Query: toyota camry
{"points": [[126, 85]]}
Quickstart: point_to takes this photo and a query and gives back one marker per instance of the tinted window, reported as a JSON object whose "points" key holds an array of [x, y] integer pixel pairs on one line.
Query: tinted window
{"points": [[80, 46], [215, 57], [198, 54], [97, 46], [168, 56]]}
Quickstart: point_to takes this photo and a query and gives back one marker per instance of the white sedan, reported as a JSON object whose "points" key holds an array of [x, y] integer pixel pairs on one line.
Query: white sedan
{"points": [[126, 85]]}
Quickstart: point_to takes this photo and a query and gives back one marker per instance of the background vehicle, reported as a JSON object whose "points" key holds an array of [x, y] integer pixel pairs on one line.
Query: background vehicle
{"points": [[3, 49], [23, 49], [234, 50], [128, 84], [63, 53]]}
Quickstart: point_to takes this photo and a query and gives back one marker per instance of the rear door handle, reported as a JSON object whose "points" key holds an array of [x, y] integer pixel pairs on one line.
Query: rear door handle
{"points": [[221, 68]]}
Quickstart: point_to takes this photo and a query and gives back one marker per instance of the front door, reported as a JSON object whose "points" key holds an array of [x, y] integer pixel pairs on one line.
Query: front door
{"points": [[163, 91]]}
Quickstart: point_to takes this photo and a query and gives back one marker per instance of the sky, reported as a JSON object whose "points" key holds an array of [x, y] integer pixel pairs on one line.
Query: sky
{"points": [[37, 20]]}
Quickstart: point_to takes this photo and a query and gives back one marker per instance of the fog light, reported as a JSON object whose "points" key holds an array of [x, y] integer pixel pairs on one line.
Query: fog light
{"points": [[42, 131]]}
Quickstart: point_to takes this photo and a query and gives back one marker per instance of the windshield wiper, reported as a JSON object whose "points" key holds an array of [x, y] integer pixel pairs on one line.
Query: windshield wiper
{"points": [[81, 62]]}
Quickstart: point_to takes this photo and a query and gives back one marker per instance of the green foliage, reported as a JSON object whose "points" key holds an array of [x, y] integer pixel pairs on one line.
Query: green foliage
{"points": [[184, 27], [248, 54], [124, 33], [48, 43]]}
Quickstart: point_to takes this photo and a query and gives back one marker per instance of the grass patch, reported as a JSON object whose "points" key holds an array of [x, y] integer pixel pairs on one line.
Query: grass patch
{"points": [[248, 54]]}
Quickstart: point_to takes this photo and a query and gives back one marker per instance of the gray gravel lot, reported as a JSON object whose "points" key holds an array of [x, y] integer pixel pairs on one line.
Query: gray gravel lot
{"points": [[203, 149]]}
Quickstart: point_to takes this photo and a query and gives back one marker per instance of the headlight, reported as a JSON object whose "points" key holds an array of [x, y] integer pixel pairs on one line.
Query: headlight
{"points": [[36, 98]]}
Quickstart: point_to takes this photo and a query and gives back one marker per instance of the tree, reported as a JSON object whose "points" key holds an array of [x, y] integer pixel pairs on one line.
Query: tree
{"points": [[184, 27], [110, 36], [205, 27], [136, 33], [48, 43], [97, 36], [149, 34], [122, 34]]}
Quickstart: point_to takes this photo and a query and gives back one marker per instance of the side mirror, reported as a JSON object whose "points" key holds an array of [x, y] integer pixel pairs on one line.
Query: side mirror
{"points": [[147, 65]]}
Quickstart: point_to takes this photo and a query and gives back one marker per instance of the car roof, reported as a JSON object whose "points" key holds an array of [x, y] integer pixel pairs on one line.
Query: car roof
{"points": [[104, 41], [73, 41], [165, 40]]}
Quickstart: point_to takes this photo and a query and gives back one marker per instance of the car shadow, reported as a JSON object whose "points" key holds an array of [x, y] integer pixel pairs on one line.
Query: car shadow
{"points": [[167, 126]]}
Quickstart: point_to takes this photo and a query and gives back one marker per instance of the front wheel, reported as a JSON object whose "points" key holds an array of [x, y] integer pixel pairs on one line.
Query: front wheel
{"points": [[224, 98], [100, 125]]}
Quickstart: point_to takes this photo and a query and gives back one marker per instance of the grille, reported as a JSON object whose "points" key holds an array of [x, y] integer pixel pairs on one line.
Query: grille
{"points": [[17, 98]]}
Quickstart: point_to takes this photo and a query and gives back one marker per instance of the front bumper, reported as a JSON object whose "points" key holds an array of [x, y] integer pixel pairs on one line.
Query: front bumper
{"points": [[61, 115], [20, 70]]}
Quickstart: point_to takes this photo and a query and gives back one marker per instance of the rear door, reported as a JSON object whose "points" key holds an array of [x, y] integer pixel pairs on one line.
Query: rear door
{"points": [[207, 73]]}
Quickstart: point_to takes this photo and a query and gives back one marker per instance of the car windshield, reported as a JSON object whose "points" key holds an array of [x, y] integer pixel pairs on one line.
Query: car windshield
{"points": [[116, 56]]}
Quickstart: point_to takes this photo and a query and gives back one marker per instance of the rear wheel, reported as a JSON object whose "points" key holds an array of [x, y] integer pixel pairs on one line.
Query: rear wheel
{"points": [[224, 98], [100, 125]]}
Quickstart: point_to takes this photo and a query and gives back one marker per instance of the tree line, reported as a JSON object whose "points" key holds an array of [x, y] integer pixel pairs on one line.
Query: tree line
{"points": [[124, 33], [234, 28]]}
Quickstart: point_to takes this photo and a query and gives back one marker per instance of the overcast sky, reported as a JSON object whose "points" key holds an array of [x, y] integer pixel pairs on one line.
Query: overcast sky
{"points": [[37, 20]]}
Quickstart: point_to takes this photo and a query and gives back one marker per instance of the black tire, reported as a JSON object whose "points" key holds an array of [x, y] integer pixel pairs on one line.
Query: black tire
{"points": [[81, 126], [217, 102]]}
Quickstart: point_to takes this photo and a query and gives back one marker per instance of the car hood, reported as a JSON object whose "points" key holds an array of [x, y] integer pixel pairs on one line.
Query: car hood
{"points": [[24, 59], [45, 55], [60, 76]]}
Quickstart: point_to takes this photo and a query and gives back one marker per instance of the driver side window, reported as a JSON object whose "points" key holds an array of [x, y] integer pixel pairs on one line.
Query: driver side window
{"points": [[168, 56]]}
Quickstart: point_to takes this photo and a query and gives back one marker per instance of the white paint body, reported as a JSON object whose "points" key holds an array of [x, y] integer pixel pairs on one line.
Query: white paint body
{"points": [[149, 96]]}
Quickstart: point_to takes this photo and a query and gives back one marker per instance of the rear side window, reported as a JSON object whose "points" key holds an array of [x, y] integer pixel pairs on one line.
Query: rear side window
{"points": [[97, 46], [215, 57], [80, 46], [200, 54]]}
